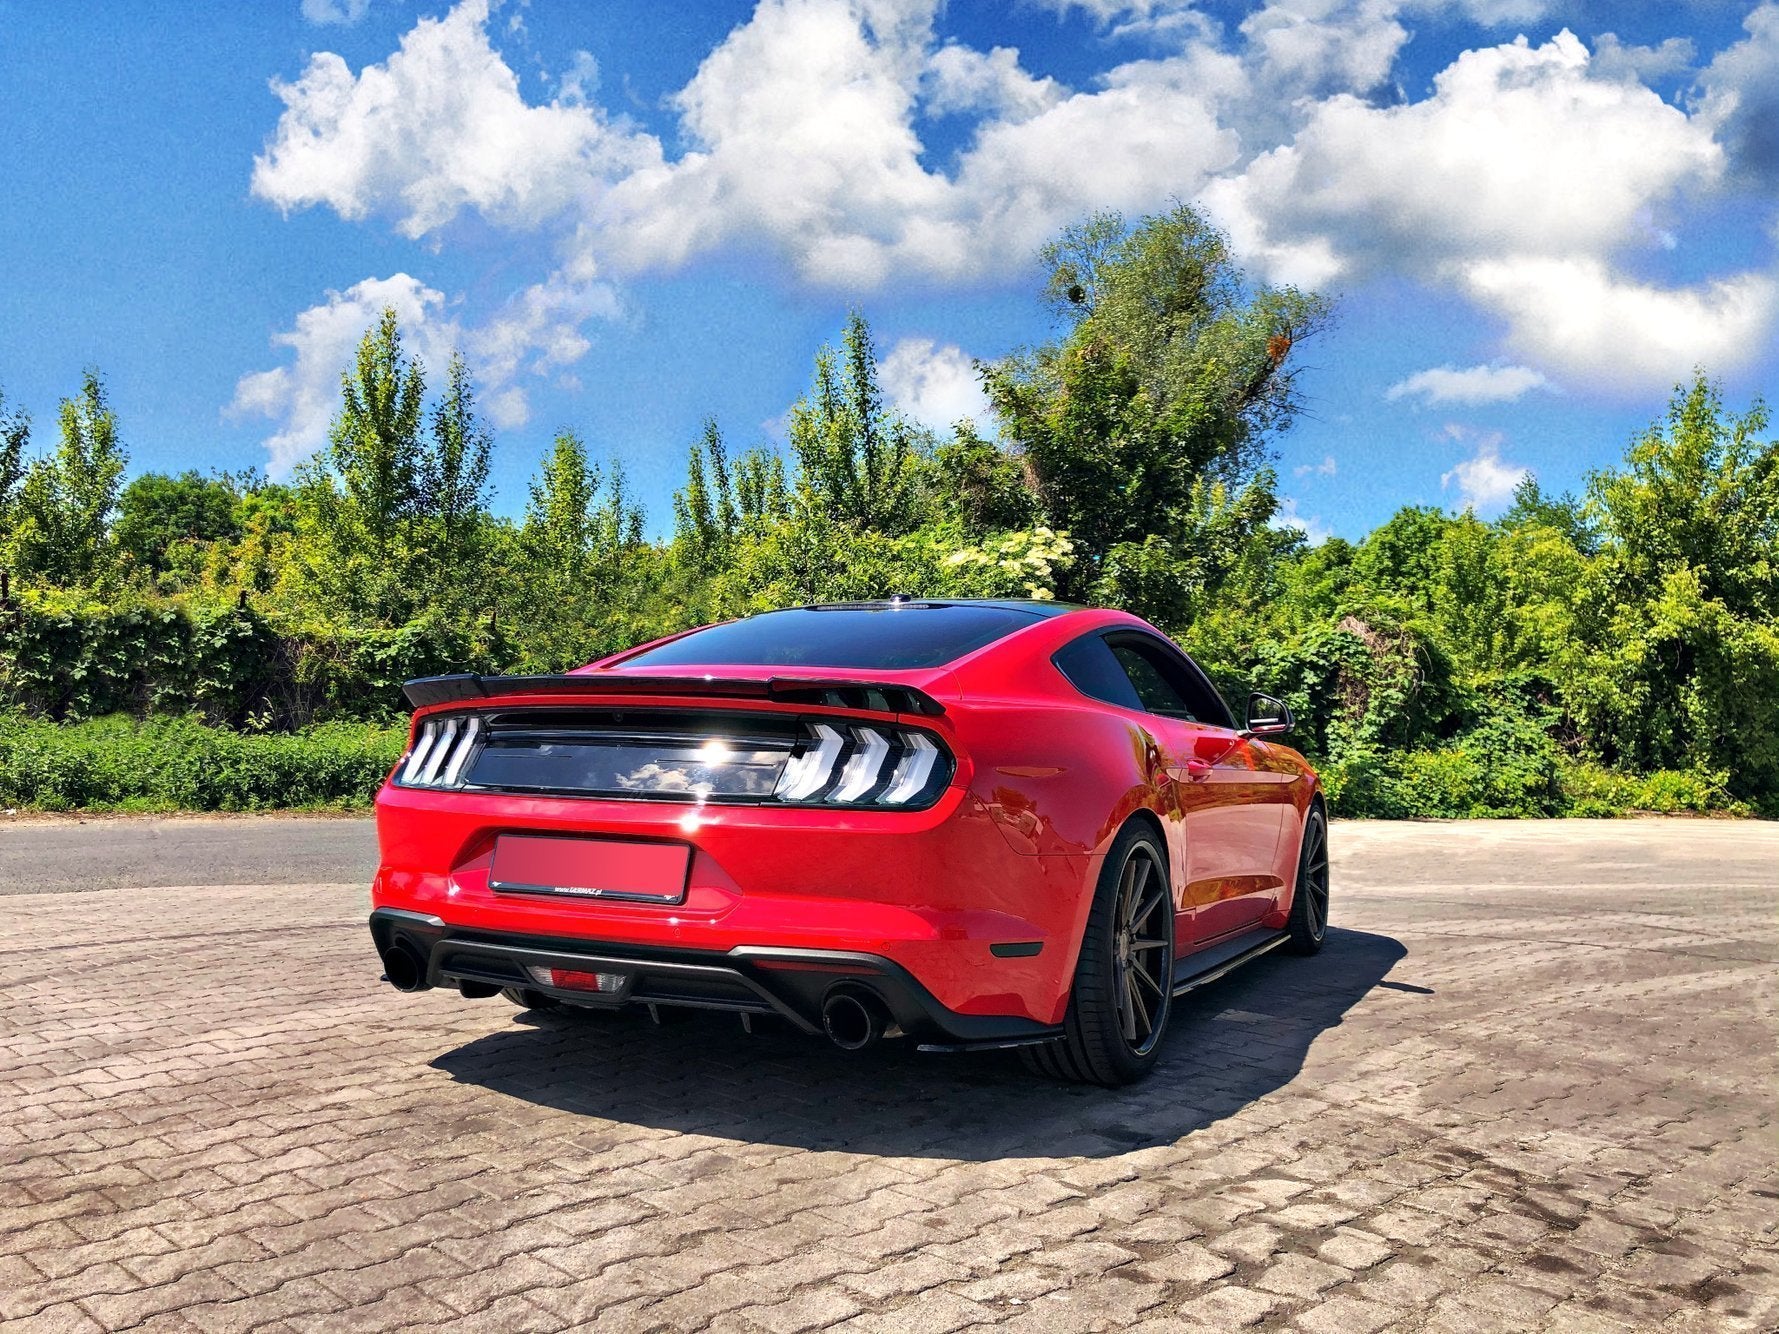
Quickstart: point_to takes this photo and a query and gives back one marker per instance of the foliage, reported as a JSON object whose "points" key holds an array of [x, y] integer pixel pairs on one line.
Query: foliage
{"points": [[181, 764], [61, 532], [1142, 430], [1583, 654], [157, 515]]}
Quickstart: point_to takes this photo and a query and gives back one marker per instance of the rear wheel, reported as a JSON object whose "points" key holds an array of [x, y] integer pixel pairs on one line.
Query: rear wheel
{"points": [[1123, 990], [1308, 923]]}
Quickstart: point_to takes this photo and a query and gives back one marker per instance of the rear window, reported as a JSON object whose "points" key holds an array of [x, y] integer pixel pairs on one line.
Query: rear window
{"points": [[877, 638]]}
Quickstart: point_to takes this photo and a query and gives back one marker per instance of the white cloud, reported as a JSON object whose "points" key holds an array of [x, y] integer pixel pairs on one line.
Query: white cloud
{"points": [[1614, 59], [438, 127], [935, 385], [1326, 468], [1471, 385], [1485, 483], [799, 141], [303, 395], [341, 12], [1580, 318], [1318, 47], [1315, 532], [535, 333], [960, 78], [1475, 169], [1742, 96], [1470, 190]]}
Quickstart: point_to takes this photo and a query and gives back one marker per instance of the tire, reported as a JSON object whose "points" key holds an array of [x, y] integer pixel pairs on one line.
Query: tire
{"points": [[527, 999], [1123, 988], [1308, 923]]}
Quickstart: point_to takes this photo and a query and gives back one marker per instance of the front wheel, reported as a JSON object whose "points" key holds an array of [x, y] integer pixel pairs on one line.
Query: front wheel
{"points": [[1123, 991], [1308, 923]]}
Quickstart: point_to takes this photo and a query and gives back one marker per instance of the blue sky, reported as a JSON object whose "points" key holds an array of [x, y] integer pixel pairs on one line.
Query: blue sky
{"points": [[1536, 215]]}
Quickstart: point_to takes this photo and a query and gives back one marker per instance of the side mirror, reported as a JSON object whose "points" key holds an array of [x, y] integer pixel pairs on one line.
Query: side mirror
{"points": [[1267, 716]]}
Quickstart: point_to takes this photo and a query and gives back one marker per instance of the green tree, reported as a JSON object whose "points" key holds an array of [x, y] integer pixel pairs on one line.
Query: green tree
{"points": [[981, 486], [157, 511], [857, 461], [368, 484], [15, 439], [724, 500], [1684, 670], [1143, 429], [67, 500], [452, 472], [584, 581]]}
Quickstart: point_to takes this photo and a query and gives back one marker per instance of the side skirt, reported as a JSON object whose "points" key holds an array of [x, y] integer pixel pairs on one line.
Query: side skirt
{"points": [[1209, 964]]}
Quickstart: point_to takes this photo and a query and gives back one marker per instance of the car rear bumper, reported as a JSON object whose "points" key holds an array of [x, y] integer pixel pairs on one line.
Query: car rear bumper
{"points": [[938, 894], [790, 983]]}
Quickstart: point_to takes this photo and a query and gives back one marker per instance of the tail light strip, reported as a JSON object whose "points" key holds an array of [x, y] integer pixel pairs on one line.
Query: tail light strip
{"points": [[829, 764]]}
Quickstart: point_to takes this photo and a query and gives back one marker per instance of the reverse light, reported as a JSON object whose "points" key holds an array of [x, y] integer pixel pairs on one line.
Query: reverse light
{"points": [[859, 765]]}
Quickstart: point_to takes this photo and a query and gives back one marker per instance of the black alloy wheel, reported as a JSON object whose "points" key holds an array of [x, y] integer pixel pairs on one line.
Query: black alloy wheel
{"points": [[1308, 924], [1123, 992]]}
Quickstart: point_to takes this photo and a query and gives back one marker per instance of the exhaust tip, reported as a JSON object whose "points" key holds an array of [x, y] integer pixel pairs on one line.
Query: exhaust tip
{"points": [[403, 968], [852, 1019]]}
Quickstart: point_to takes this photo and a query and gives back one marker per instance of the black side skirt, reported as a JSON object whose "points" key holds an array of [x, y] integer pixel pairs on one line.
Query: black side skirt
{"points": [[1207, 965]]}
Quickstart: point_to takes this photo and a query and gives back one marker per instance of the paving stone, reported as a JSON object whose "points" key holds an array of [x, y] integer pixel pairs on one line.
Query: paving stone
{"points": [[1523, 1087]]}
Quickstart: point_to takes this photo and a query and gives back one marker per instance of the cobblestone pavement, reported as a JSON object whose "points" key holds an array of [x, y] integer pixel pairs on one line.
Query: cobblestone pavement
{"points": [[1528, 1085]]}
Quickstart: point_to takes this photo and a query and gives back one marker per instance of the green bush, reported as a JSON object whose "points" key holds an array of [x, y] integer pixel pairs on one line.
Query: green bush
{"points": [[116, 763]]}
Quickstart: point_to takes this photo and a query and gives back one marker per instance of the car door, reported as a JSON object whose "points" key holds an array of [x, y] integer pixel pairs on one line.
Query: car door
{"points": [[1231, 805]]}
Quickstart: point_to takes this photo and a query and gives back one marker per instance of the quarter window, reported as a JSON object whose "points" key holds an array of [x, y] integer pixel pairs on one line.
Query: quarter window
{"points": [[1137, 671], [1091, 669]]}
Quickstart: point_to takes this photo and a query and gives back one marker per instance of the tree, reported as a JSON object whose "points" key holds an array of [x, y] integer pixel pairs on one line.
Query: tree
{"points": [[856, 460], [982, 486], [579, 517], [15, 438], [67, 500], [723, 500], [1151, 416], [374, 451], [1685, 662], [453, 472], [156, 512], [1701, 493]]}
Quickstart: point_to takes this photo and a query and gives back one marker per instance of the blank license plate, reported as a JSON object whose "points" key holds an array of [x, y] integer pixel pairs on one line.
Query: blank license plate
{"points": [[594, 868]]}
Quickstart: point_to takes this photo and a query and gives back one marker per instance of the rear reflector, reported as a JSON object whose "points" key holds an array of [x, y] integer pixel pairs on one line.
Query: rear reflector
{"points": [[573, 979]]}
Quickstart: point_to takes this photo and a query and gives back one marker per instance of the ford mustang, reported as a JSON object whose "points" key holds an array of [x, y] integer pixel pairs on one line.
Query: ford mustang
{"points": [[974, 824]]}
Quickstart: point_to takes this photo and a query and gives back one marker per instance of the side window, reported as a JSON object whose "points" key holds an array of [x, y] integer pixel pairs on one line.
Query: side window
{"points": [[1167, 682], [1090, 667], [1154, 684]]}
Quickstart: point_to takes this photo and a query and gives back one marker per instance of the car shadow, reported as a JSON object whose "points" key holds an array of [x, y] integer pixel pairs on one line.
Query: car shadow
{"points": [[1230, 1043]]}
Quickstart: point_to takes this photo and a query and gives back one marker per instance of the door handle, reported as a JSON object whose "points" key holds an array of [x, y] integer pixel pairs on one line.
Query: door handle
{"points": [[1193, 771]]}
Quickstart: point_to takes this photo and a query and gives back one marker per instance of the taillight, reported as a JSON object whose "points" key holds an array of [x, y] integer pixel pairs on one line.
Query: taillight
{"points": [[864, 764], [441, 752]]}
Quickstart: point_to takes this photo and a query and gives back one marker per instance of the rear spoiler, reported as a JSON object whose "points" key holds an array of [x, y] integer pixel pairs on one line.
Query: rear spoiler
{"points": [[879, 696]]}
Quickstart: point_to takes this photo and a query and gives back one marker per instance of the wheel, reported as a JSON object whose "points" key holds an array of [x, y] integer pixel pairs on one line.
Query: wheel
{"points": [[1308, 923], [1123, 992], [527, 999]]}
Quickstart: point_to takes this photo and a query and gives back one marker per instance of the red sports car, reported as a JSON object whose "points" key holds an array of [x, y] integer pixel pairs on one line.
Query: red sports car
{"points": [[977, 824]]}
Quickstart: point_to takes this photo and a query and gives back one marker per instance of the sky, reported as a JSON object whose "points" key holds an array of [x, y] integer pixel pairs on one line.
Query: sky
{"points": [[1536, 216]]}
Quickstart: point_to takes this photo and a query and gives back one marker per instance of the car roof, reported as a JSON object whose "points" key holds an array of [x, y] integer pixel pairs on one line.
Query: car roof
{"points": [[1037, 607], [857, 651]]}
